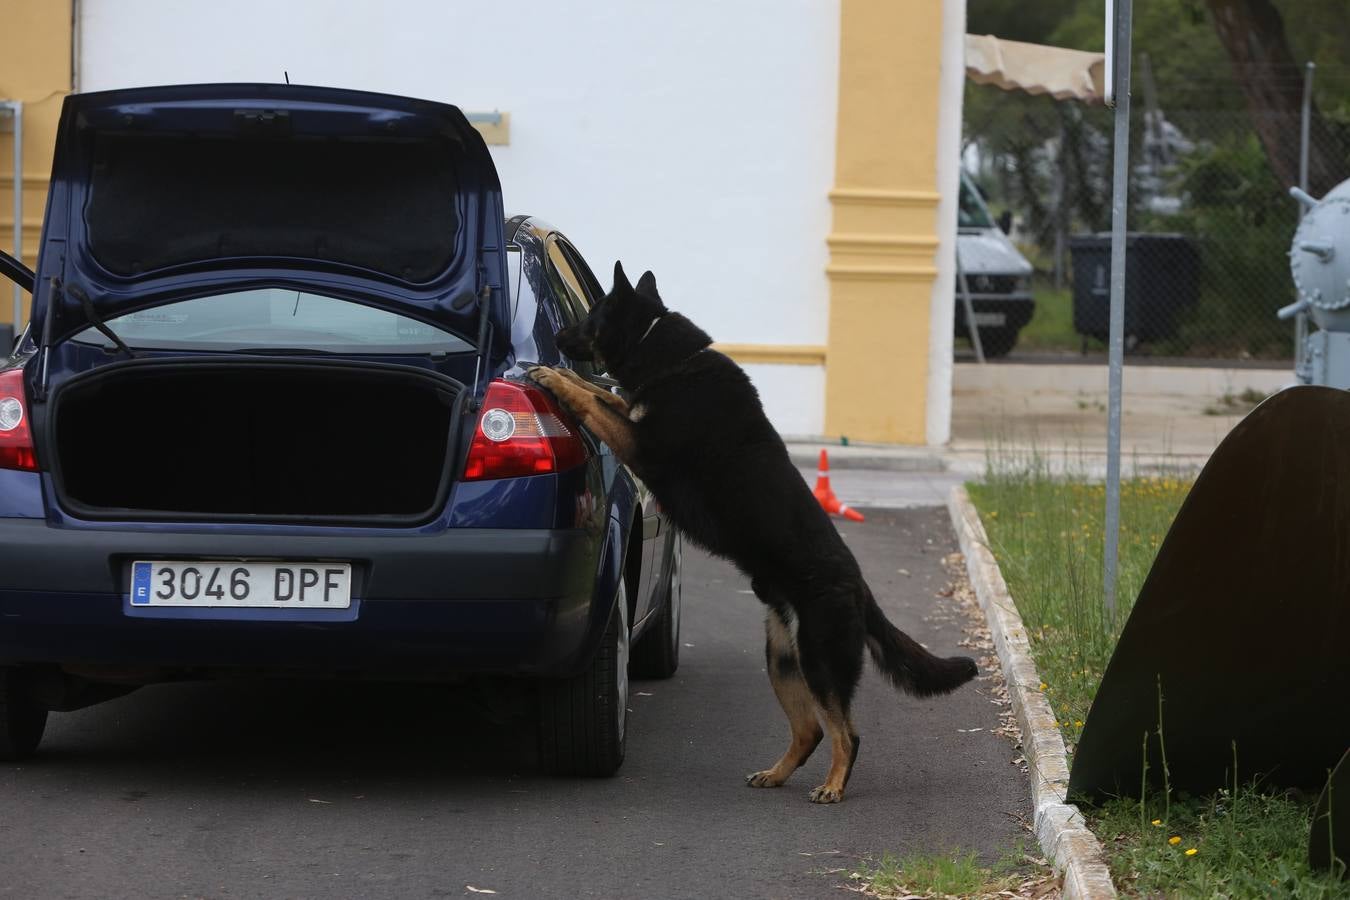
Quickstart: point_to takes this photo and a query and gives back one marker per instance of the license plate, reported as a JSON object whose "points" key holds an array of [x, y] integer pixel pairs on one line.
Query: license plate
{"points": [[990, 318], [282, 585]]}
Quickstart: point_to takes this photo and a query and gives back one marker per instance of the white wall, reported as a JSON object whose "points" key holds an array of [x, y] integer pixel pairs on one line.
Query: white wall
{"points": [[694, 139], [951, 95]]}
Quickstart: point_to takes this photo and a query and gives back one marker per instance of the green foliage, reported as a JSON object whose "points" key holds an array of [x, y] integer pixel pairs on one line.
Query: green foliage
{"points": [[1232, 204], [1046, 535], [1246, 843], [953, 874], [942, 874], [1243, 223]]}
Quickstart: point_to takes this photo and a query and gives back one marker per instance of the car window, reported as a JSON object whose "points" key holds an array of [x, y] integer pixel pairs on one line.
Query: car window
{"points": [[587, 277], [571, 290], [972, 212], [275, 318]]}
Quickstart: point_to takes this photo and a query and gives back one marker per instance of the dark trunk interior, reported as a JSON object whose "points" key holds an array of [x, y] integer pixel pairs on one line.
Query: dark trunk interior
{"points": [[269, 439]]}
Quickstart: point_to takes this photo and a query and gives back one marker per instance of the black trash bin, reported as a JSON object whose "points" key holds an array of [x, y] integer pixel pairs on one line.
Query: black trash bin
{"points": [[6, 339], [1162, 278]]}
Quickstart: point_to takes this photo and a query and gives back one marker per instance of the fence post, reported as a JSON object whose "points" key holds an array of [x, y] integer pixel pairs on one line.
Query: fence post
{"points": [[1120, 185], [1301, 320]]}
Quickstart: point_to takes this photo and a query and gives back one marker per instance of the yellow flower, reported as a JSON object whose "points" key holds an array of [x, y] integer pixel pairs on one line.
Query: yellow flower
{"points": [[1192, 851], [1078, 723], [1157, 822], [1174, 840], [1042, 685]]}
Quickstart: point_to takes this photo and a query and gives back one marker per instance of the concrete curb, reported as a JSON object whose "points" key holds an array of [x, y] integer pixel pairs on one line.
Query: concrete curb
{"points": [[853, 456], [1063, 835]]}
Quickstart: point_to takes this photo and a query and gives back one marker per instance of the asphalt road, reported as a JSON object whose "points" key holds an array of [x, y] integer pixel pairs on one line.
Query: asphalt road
{"points": [[286, 790]]}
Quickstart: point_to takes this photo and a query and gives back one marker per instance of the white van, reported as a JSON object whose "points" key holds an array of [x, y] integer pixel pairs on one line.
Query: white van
{"points": [[999, 277]]}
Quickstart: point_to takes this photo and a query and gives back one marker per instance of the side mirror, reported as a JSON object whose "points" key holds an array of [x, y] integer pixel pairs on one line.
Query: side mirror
{"points": [[1005, 221]]}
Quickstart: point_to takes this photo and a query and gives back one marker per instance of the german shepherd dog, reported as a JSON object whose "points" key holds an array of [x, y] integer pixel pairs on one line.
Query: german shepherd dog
{"points": [[695, 432]]}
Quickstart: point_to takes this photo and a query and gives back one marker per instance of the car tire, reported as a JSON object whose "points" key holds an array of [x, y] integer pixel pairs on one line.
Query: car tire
{"points": [[998, 341], [657, 652], [583, 720], [21, 720]]}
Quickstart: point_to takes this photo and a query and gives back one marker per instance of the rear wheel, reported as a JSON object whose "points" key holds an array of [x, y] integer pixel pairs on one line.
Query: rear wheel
{"points": [[21, 720], [582, 720], [657, 652]]}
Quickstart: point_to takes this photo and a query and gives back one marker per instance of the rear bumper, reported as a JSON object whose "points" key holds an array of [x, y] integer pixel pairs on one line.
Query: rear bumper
{"points": [[455, 602]]}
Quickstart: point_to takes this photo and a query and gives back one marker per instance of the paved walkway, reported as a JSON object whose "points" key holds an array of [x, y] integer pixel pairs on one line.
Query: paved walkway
{"points": [[1172, 419], [272, 789]]}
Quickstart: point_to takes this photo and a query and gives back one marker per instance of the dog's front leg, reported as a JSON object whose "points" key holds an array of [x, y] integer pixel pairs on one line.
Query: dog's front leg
{"points": [[613, 400], [593, 409]]}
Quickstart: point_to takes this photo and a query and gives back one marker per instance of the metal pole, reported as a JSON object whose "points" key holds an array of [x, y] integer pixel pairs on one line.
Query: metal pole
{"points": [[1301, 320], [1120, 186], [1060, 188], [971, 327], [16, 110]]}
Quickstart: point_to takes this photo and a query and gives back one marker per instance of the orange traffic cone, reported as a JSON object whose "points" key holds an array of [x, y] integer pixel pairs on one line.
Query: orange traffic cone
{"points": [[825, 494]]}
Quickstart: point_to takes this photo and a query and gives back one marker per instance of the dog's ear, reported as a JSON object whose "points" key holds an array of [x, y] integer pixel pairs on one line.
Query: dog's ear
{"points": [[620, 279], [647, 285]]}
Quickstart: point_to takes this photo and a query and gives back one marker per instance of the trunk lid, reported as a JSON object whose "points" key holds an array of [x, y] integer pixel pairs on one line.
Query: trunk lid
{"points": [[162, 193]]}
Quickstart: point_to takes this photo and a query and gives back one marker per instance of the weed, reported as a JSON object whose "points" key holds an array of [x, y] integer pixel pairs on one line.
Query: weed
{"points": [[955, 874], [1238, 842], [1236, 404], [1046, 533]]}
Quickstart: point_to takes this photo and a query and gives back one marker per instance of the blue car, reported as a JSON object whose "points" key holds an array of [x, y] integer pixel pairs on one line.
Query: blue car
{"points": [[270, 418]]}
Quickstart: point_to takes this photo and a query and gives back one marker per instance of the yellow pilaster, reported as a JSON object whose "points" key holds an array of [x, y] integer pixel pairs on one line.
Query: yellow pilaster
{"points": [[35, 68], [884, 202]]}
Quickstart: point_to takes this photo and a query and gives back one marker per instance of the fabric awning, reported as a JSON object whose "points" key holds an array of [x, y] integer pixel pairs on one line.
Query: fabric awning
{"points": [[1035, 68]]}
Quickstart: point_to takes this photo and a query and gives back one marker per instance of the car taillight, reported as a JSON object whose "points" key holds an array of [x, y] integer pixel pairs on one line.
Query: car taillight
{"points": [[521, 431], [16, 439]]}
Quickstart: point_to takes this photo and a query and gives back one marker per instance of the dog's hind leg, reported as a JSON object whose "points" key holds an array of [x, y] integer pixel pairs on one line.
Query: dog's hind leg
{"points": [[844, 743], [794, 696], [830, 655]]}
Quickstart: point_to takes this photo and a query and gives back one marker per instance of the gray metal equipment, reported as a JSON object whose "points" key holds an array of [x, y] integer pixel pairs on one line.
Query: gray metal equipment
{"points": [[1320, 263]]}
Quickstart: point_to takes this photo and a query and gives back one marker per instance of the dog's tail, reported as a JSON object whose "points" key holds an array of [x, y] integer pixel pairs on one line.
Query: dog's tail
{"points": [[907, 664]]}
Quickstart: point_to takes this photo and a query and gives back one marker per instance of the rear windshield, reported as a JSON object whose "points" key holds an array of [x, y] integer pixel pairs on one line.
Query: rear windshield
{"points": [[275, 319]]}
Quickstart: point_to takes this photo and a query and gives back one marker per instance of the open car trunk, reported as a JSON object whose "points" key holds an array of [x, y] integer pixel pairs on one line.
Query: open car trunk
{"points": [[240, 439]]}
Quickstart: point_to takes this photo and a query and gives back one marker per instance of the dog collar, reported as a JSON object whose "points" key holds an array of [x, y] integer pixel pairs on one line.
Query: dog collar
{"points": [[649, 329]]}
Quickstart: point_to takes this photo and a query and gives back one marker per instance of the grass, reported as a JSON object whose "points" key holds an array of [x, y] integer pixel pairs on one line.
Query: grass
{"points": [[1051, 325], [954, 874], [1046, 533], [1236, 404], [1246, 843]]}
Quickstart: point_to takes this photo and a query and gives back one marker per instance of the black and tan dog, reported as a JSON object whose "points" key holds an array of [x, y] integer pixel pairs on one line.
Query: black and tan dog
{"points": [[696, 433]]}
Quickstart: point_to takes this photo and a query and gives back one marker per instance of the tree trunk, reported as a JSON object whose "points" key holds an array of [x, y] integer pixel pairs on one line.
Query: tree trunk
{"points": [[1253, 34]]}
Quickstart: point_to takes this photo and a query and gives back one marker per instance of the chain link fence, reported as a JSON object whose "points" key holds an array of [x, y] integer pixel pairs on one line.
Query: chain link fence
{"points": [[1210, 221]]}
